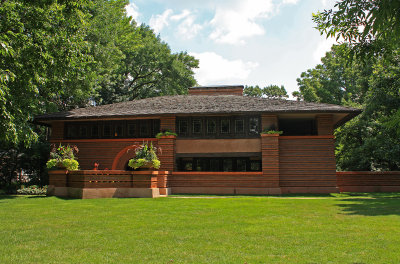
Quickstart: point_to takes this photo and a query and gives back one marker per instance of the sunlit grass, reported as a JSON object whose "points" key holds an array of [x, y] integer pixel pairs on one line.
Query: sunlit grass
{"points": [[337, 228]]}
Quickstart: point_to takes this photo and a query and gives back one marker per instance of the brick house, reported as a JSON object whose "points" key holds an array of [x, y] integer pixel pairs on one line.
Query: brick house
{"points": [[219, 148]]}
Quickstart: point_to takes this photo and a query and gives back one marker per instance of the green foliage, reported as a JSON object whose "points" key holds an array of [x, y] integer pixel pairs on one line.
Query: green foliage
{"points": [[132, 61], [271, 91], [44, 62], [254, 91], [59, 55], [32, 190], [145, 154], [267, 131], [371, 27], [63, 156], [370, 141], [166, 133], [336, 80]]}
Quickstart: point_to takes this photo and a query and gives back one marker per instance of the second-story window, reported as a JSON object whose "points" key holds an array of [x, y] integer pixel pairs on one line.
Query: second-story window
{"points": [[197, 126], [254, 125], [225, 126], [94, 131], [107, 130], [183, 127], [131, 130], [239, 126], [211, 126], [118, 130]]}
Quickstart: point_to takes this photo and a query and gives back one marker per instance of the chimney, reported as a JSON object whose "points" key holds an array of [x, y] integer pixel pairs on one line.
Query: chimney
{"points": [[217, 90]]}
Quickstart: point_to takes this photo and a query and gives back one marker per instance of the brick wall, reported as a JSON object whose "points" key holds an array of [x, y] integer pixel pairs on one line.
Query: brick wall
{"points": [[307, 164], [368, 181]]}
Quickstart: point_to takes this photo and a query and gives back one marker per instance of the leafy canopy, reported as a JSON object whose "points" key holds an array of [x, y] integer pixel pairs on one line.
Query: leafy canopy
{"points": [[369, 26], [270, 91]]}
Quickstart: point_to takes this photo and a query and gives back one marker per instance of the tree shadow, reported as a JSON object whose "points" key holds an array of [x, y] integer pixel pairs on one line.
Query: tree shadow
{"points": [[371, 204], [7, 196]]}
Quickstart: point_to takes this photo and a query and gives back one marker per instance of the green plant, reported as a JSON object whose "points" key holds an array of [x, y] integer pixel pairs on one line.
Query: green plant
{"points": [[32, 190], [166, 133], [145, 155], [268, 131], [63, 156]]}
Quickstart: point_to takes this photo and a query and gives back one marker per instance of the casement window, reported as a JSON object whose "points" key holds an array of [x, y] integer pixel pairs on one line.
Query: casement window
{"points": [[225, 126], [72, 131], [131, 132], [106, 130], [197, 126], [94, 131], [239, 126], [218, 126], [83, 133], [183, 127], [119, 130], [146, 128], [219, 164], [254, 125], [211, 126]]}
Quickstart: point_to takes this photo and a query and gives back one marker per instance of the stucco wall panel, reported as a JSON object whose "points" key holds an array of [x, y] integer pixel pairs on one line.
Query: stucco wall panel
{"points": [[217, 145]]}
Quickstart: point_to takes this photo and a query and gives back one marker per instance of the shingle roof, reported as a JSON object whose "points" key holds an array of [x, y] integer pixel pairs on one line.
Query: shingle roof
{"points": [[197, 104]]}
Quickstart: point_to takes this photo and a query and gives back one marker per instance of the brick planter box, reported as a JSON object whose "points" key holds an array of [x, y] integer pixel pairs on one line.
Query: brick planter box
{"points": [[107, 183]]}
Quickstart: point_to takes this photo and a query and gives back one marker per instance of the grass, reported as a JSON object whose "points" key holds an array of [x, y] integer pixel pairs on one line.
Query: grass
{"points": [[340, 228]]}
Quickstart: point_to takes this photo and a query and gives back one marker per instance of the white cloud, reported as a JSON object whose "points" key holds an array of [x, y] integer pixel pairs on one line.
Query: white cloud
{"points": [[323, 47], [235, 23], [158, 22], [188, 29], [293, 2], [132, 10], [214, 69], [178, 17]]}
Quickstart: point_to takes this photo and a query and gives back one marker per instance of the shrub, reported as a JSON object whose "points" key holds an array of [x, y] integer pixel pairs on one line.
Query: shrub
{"points": [[32, 190], [63, 156], [265, 131], [145, 155], [166, 133]]}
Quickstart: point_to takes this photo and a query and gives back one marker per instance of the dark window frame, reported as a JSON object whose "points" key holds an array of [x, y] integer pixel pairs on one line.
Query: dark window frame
{"points": [[152, 126]]}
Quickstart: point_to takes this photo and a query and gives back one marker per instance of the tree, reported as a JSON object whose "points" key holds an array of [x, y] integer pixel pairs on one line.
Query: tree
{"points": [[275, 92], [271, 91], [149, 69], [370, 27], [254, 91], [371, 140], [44, 62], [336, 80]]}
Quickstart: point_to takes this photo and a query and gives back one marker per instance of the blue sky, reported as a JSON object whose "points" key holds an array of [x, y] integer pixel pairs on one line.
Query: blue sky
{"points": [[237, 41]]}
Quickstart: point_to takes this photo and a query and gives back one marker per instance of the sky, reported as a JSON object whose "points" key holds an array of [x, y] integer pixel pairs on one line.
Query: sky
{"points": [[240, 42]]}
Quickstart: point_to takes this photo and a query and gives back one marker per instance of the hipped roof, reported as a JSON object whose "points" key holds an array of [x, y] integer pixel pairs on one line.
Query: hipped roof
{"points": [[196, 104]]}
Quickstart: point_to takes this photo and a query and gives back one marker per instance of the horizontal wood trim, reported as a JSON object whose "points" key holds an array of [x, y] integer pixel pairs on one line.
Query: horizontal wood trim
{"points": [[102, 140], [306, 137]]}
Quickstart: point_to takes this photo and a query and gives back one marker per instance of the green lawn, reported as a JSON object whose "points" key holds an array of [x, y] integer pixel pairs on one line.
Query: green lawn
{"points": [[292, 229]]}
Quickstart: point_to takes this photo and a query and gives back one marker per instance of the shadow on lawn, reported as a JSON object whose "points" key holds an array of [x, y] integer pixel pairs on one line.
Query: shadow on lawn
{"points": [[372, 204], [7, 197]]}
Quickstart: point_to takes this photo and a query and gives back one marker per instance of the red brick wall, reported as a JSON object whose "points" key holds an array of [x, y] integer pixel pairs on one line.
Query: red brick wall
{"points": [[307, 164], [368, 181], [167, 123], [221, 183], [104, 151], [57, 130], [270, 159], [167, 158], [324, 125]]}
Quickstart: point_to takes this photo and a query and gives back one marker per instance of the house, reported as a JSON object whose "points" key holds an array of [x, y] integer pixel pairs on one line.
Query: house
{"points": [[219, 148]]}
